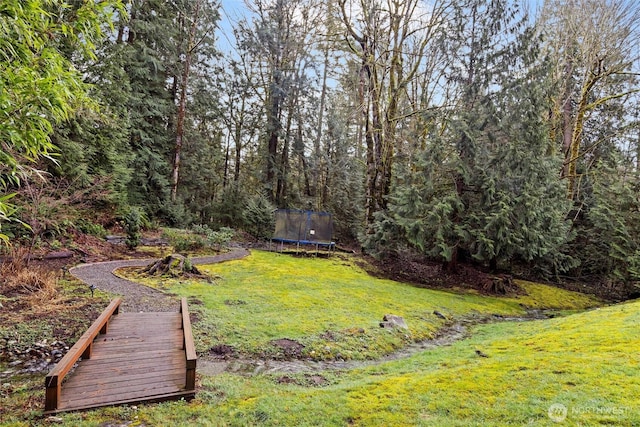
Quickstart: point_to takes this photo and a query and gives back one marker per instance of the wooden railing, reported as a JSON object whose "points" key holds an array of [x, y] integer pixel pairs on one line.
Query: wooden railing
{"points": [[82, 348], [189, 347]]}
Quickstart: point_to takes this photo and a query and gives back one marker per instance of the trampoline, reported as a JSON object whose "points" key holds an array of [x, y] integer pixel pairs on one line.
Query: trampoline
{"points": [[304, 228]]}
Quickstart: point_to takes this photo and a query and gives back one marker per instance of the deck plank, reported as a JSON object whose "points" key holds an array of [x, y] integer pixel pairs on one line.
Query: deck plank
{"points": [[112, 387], [117, 366]]}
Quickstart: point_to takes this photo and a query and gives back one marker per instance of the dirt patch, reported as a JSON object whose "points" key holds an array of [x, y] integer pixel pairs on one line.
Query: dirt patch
{"points": [[503, 284], [37, 336], [287, 349], [193, 317], [329, 336], [223, 352], [77, 248], [286, 379]]}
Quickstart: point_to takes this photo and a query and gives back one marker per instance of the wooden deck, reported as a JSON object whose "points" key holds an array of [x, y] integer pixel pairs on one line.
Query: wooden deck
{"points": [[139, 357]]}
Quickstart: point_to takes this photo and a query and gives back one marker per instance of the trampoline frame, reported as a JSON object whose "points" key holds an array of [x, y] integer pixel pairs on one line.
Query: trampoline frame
{"points": [[304, 231]]}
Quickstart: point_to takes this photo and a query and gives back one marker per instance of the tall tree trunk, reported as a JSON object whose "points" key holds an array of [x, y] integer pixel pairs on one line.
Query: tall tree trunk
{"points": [[377, 130], [238, 140], [383, 82], [638, 151], [131, 36], [182, 106], [121, 27], [283, 173], [370, 186], [567, 118], [227, 155], [576, 137], [299, 150], [238, 152], [369, 98], [273, 128], [327, 170], [316, 146]]}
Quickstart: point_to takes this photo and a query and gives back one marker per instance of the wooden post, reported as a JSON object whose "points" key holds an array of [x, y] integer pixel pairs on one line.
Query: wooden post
{"points": [[52, 393], [189, 347], [86, 354]]}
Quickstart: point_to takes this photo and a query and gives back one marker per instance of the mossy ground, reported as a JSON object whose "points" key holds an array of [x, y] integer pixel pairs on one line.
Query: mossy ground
{"points": [[330, 306], [585, 364]]}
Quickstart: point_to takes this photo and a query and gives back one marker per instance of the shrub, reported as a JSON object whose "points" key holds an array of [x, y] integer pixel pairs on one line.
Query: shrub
{"points": [[228, 209], [19, 279], [175, 214], [214, 239], [201, 229], [222, 237], [188, 264], [258, 217], [188, 242], [182, 240], [132, 223], [88, 227], [199, 237]]}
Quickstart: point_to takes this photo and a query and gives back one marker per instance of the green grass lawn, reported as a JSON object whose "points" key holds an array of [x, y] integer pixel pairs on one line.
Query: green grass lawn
{"points": [[577, 370], [581, 370], [332, 307]]}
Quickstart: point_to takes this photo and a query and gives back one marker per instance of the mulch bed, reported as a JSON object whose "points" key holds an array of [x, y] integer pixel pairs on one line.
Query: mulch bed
{"points": [[420, 271]]}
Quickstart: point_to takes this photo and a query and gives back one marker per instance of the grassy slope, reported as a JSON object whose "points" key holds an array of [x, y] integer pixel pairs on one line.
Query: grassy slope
{"points": [[587, 361], [332, 307]]}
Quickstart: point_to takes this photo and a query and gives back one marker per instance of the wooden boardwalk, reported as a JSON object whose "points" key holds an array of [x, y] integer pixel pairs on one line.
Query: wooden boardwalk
{"points": [[134, 357]]}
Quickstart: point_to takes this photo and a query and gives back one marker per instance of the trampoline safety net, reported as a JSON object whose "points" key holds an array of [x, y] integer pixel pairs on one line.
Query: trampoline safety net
{"points": [[308, 227]]}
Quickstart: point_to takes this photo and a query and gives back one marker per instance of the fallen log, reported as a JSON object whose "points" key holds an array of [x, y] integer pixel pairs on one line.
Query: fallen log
{"points": [[59, 255]]}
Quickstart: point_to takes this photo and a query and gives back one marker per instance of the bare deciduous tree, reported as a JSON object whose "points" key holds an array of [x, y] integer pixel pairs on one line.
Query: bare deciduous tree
{"points": [[392, 40], [595, 47]]}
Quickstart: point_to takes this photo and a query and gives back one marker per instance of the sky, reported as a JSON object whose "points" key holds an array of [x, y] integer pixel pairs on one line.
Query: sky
{"points": [[230, 12]]}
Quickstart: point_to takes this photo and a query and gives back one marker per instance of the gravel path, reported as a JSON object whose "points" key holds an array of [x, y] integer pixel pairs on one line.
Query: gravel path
{"points": [[137, 297]]}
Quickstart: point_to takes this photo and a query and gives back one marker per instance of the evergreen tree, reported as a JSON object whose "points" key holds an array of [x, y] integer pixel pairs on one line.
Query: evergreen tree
{"points": [[95, 146], [148, 51], [276, 43], [609, 228], [139, 78], [342, 174], [487, 186], [198, 155], [391, 40], [196, 23]]}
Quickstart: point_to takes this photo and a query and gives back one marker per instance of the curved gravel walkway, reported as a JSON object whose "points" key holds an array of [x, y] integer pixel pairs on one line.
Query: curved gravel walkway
{"points": [[137, 297]]}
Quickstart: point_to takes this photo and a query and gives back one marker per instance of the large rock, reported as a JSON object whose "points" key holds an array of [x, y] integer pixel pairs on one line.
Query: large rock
{"points": [[393, 321]]}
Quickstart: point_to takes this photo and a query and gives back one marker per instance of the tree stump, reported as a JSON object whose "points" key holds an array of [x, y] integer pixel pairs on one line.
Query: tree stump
{"points": [[501, 285], [174, 265]]}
